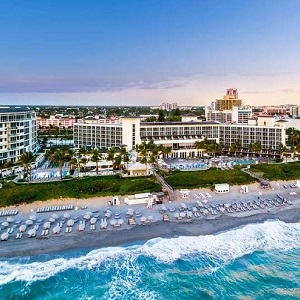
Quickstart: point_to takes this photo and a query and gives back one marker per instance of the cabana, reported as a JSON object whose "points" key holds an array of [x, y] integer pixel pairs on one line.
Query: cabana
{"points": [[264, 184], [222, 188], [138, 169]]}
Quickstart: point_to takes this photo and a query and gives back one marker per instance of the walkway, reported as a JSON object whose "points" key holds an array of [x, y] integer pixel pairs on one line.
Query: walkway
{"points": [[166, 186]]}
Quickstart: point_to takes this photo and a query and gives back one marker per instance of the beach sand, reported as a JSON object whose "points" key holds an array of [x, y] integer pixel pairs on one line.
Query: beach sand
{"points": [[98, 238]]}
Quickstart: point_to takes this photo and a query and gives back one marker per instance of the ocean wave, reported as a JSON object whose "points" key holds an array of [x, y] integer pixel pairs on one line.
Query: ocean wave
{"points": [[219, 248]]}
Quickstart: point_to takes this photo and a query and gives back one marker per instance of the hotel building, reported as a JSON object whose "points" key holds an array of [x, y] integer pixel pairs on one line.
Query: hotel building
{"points": [[181, 136], [18, 133]]}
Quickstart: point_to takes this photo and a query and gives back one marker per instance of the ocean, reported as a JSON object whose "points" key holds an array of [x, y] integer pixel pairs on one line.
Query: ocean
{"points": [[258, 261]]}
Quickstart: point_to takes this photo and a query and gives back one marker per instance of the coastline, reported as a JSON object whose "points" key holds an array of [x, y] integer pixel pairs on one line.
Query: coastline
{"points": [[126, 234]]}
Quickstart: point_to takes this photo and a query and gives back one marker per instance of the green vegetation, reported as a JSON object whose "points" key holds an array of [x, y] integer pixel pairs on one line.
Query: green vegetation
{"points": [[208, 178], [12, 194], [286, 171]]}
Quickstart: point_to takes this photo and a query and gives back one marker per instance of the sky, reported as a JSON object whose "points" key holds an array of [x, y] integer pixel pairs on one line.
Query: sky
{"points": [[145, 52]]}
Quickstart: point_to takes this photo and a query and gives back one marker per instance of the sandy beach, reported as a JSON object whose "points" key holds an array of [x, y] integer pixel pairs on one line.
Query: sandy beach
{"points": [[193, 226]]}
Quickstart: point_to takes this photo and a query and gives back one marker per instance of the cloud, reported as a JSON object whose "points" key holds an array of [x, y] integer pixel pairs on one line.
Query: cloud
{"points": [[71, 85]]}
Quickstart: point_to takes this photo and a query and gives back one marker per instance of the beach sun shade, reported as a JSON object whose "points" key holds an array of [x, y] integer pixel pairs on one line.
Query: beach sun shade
{"points": [[32, 217], [51, 220], [66, 215], [22, 228], [113, 222], [56, 229], [10, 219], [55, 216], [29, 222], [93, 220], [5, 224], [47, 225], [143, 219], [70, 222], [87, 216], [31, 232], [4, 236], [120, 221]]}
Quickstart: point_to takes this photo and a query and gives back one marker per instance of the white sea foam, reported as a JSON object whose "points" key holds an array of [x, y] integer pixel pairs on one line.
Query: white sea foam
{"points": [[222, 247]]}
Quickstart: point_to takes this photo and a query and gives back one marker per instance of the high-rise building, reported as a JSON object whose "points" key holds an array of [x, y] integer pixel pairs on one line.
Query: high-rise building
{"points": [[18, 133], [229, 100]]}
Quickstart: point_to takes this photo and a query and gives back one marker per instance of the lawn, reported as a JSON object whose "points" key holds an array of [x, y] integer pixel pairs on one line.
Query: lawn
{"points": [[88, 187], [208, 178], [284, 171]]}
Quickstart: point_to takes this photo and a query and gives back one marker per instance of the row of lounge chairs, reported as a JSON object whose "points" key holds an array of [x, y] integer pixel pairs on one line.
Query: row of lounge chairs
{"points": [[19, 235], [6, 212], [54, 208], [45, 232]]}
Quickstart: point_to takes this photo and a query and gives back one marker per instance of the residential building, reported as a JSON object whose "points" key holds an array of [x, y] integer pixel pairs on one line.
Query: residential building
{"points": [[55, 121], [229, 100], [18, 133]]}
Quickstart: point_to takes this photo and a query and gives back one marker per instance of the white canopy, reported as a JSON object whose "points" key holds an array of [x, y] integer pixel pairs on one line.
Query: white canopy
{"points": [[22, 228]]}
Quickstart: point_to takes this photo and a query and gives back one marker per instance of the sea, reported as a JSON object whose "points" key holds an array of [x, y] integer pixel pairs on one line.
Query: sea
{"points": [[257, 261]]}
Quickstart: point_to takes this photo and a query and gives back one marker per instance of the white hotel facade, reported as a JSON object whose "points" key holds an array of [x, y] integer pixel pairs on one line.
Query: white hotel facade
{"points": [[18, 133], [181, 136]]}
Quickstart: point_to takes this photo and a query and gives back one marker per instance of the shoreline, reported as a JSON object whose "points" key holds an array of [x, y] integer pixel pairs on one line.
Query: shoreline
{"points": [[112, 237]]}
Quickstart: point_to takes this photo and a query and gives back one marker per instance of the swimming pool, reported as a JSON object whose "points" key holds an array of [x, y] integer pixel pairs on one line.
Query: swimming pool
{"points": [[47, 174], [188, 166]]}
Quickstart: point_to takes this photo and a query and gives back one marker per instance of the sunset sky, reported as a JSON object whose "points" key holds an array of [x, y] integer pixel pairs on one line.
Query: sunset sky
{"points": [[145, 52]]}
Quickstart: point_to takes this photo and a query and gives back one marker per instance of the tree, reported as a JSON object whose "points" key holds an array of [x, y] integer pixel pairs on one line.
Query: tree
{"points": [[161, 116], [96, 156], [60, 156], [26, 159]]}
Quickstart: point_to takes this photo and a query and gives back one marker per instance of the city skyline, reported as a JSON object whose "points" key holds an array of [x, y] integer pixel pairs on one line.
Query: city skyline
{"points": [[148, 52]]}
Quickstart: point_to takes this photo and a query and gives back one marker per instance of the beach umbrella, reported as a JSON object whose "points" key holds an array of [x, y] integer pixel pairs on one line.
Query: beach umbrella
{"points": [[87, 216], [227, 205], [70, 222], [56, 229], [120, 221], [9, 219], [32, 217], [143, 219], [22, 228], [31, 232], [51, 220], [195, 209], [66, 215], [189, 214], [93, 220], [54, 216], [4, 236], [28, 222], [81, 227], [176, 215], [47, 225], [182, 214], [113, 222], [107, 214], [5, 224]]}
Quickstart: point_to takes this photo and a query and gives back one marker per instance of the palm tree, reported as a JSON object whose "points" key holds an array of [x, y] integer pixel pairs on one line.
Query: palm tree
{"points": [[26, 159], [111, 152], [96, 156], [73, 163], [83, 161], [60, 156]]}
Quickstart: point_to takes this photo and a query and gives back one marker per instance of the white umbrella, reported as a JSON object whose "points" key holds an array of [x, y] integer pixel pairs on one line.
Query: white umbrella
{"points": [[143, 219], [22, 228], [195, 209], [4, 236], [182, 214], [51, 220], [81, 227], [66, 215], [31, 232], [32, 217], [107, 214], [29, 222], [87, 216], [47, 225], [56, 229], [54, 216], [189, 214], [93, 220], [120, 221], [70, 222], [5, 224], [113, 222], [9, 219], [176, 215]]}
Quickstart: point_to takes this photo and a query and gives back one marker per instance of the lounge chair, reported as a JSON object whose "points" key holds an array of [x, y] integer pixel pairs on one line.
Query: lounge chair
{"points": [[166, 217]]}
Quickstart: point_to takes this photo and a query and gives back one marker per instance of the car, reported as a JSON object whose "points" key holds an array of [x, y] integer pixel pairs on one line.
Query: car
{"points": [[285, 186], [293, 193]]}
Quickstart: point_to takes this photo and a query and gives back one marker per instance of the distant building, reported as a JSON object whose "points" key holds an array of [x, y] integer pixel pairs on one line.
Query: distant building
{"points": [[295, 112], [274, 110], [168, 106], [229, 100], [55, 121], [18, 133]]}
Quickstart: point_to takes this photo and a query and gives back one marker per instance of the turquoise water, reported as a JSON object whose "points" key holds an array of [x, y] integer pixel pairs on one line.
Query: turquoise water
{"points": [[259, 261], [48, 174]]}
